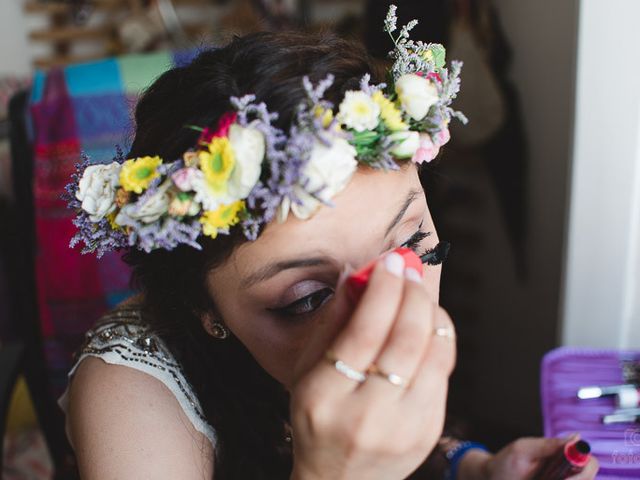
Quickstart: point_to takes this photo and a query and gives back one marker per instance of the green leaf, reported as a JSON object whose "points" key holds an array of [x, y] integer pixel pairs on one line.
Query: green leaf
{"points": [[439, 54], [365, 138]]}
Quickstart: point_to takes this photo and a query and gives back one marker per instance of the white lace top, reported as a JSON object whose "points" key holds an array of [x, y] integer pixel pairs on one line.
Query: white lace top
{"points": [[122, 338]]}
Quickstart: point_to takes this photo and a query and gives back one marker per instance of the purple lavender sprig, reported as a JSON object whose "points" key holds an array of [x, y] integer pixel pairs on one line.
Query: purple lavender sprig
{"points": [[268, 194], [97, 237], [167, 233]]}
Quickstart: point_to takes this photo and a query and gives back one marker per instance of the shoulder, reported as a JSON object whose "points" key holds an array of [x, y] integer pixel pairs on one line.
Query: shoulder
{"points": [[122, 420]]}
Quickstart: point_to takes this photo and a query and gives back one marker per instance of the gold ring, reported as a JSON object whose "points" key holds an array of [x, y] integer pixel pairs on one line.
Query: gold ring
{"points": [[445, 332], [344, 369], [392, 378]]}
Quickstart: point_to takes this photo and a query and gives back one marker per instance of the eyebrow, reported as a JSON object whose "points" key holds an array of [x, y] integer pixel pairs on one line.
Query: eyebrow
{"points": [[272, 269], [405, 206]]}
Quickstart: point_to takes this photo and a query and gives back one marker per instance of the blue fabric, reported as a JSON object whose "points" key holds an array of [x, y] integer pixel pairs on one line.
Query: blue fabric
{"points": [[88, 78]]}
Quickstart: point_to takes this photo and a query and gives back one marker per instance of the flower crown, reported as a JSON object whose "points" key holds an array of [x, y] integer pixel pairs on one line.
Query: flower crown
{"points": [[247, 172]]}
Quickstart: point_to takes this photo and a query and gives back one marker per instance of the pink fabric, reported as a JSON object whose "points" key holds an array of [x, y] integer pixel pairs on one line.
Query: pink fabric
{"points": [[78, 109]]}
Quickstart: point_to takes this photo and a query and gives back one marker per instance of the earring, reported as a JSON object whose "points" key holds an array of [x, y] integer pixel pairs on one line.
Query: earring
{"points": [[219, 331]]}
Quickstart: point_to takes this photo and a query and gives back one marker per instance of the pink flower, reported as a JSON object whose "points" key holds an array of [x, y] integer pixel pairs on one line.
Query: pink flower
{"points": [[183, 178], [427, 150], [443, 137], [222, 129], [434, 76]]}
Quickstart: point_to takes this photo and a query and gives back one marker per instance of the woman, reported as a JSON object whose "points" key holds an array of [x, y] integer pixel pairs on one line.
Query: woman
{"points": [[252, 359]]}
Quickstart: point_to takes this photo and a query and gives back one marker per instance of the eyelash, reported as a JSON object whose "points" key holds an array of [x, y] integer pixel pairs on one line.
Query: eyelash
{"points": [[292, 310], [414, 242]]}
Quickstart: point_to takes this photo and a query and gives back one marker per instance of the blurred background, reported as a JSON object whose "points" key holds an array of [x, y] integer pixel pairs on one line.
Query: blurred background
{"points": [[539, 195]]}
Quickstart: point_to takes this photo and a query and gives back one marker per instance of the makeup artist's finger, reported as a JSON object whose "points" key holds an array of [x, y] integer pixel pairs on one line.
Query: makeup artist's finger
{"points": [[541, 448], [589, 472], [407, 341], [359, 342], [325, 331]]}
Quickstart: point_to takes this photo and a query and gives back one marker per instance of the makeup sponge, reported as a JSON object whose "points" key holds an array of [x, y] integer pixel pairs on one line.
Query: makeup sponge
{"points": [[357, 282]]}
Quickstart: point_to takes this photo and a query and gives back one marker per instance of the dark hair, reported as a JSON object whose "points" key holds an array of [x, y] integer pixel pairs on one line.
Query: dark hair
{"points": [[245, 405]]}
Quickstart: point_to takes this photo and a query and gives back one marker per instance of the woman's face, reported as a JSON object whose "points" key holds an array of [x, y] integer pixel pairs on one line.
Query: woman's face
{"points": [[271, 292]]}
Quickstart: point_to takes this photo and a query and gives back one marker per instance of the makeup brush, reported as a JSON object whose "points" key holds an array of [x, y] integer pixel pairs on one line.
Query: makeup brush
{"points": [[437, 254]]}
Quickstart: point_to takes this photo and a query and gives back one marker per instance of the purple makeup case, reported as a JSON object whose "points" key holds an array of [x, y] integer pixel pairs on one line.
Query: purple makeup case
{"points": [[564, 371]]}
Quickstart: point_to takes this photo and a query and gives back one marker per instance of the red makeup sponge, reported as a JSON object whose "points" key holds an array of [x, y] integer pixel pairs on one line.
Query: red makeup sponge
{"points": [[357, 282]]}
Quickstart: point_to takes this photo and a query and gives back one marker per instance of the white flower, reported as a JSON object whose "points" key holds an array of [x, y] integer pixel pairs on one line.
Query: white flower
{"points": [[148, 212], [206, 195], [97, 189], [408, 143], [417, 95], [328, 171], [183, 178], [283, 210], [358, 111], [248, 149]]}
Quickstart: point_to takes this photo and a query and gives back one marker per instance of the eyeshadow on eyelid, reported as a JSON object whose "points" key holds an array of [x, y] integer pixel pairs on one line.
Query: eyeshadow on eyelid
{"points": [[301, 290]]}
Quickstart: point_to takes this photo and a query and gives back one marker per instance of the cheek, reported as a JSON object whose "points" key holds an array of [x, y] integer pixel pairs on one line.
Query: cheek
{"points": [[432, 280], [275, 345]]}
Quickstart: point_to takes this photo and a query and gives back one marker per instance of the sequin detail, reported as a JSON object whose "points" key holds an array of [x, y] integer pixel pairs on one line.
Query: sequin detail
{"points": [[122, 337]]}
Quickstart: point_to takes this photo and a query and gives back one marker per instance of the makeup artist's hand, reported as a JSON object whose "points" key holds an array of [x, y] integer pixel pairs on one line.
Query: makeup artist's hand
{"points": [[373, 430], [519, 461]]}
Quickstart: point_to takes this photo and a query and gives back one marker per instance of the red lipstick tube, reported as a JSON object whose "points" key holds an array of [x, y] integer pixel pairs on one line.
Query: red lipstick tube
{"points": [[357, 282], [573, 457]]}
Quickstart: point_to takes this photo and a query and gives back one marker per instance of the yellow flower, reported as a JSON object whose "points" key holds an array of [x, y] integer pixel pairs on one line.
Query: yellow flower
{"points": [[326, 114], [112, 221], [391, 115], [428, 56], [213, 221], [136, 175], [217, 163]]}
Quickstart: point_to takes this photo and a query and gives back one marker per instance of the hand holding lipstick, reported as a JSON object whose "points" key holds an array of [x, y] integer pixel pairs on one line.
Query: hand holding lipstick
{"points": [[524, 459]]}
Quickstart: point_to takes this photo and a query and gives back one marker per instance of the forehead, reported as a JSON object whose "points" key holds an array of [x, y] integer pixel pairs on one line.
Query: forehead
{"points": [[362, 210]]}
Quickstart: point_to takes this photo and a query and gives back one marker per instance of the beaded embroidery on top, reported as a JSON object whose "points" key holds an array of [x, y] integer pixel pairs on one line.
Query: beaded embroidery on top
{"points": [[122, 337]]}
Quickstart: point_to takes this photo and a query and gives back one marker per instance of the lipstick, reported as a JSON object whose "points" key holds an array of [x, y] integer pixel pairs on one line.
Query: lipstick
{"points": [[572, 459], [357, 282]]}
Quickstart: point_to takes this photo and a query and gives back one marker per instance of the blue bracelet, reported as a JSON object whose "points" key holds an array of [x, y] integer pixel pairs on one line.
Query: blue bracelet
{"points": [[455, 456]]}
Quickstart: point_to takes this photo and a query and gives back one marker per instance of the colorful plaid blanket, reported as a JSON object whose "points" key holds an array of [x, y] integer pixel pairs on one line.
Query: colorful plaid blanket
{"points": [[81, 108]]}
